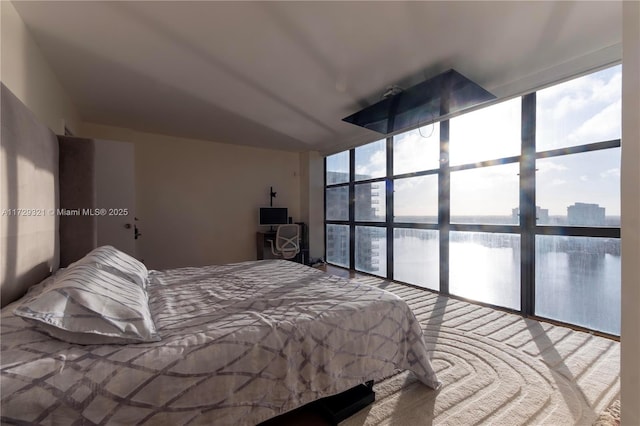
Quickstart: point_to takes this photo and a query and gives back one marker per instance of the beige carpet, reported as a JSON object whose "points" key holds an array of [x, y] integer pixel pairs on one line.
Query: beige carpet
{"points": [[496, 368]]}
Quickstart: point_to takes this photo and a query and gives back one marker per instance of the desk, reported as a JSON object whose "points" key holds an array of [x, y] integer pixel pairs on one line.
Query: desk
{"points": [[263, 248], [262, 244]]}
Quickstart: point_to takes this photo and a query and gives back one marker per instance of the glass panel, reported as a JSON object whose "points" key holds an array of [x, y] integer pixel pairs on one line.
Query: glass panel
{"points": [[579, 189], [416, 257], [486, 134], [371, 160], [338, 168], [370, 202], [485, 267], [578, 281], [338, 245], [487, 195], [580, 111], [338, 203], [417, 150], [415, 199], [371, 250]]}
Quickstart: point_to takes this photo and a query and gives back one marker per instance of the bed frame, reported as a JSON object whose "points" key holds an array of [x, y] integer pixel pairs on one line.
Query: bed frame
{"points": [[36, 181], [29, 240], [41, 174]]}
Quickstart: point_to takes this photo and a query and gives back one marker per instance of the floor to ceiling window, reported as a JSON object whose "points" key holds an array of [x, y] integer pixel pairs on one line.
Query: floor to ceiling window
{"points": [[515, 205], [484, 149], [577, 246]]}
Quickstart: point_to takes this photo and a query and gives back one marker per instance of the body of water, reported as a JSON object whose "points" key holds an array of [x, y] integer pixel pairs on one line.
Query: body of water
{"points": [[578, 279]]}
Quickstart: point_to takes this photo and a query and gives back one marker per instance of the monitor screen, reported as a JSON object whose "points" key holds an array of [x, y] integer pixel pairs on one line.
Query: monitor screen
{"points": [[274, 216]]}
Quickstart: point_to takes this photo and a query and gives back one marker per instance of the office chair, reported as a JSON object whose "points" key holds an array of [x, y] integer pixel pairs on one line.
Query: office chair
{"points": [[287, 238]]}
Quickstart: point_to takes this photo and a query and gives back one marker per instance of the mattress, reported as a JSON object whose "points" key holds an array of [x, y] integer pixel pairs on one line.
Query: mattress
{"points": [[240, 343]]}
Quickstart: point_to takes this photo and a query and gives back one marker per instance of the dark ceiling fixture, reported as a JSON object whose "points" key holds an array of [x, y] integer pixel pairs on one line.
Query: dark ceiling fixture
{"points": [[425, 103]]}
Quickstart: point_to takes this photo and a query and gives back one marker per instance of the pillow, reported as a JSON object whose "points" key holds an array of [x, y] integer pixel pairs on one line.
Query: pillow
{"points": [[117, 262], [88, 305]]}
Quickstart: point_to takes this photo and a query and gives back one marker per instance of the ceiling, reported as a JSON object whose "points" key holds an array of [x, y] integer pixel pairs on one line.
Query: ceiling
{"points": [[283, 74]]}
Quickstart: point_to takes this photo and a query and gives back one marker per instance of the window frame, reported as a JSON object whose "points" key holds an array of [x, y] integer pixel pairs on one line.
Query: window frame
{"points": [[527, 229]]}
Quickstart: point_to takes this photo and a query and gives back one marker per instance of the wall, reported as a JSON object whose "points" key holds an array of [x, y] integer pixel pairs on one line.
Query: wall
{"points": [[630, 190], [198, 201], [25, 71], [28, 172], [312, 200]]}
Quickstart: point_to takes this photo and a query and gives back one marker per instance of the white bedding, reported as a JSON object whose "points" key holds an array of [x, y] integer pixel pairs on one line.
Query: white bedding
{"points": [[241, 343]]}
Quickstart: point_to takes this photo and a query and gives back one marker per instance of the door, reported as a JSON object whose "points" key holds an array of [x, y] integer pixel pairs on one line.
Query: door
{"points": [[115, 184]]}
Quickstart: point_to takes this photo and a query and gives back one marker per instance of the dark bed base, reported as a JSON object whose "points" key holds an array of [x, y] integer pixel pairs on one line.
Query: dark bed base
{"points": [[338, 407], [327, 411]]}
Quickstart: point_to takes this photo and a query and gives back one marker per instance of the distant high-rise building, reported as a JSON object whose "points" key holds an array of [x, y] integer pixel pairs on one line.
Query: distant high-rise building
{"points": [[367, 204], [542, 215], [583, 214]]}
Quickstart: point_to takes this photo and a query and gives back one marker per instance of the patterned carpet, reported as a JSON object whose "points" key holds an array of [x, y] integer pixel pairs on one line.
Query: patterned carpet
{"points": [[496, 368]]}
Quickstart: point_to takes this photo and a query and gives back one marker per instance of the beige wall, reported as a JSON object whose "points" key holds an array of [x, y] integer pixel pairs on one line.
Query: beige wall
{"points": [[25, 71], [198, 201], [312, 200], [630, 336]]}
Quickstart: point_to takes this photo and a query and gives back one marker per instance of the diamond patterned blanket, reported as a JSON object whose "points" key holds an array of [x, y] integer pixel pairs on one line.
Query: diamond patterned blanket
{"points": [[241, 343]]}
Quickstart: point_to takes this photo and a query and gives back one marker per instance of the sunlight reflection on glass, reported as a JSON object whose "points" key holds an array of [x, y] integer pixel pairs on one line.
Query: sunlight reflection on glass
{"points": [[485, 267], [486, 134], [417, 150], [415, 199], [416, 257], [487, 195]]}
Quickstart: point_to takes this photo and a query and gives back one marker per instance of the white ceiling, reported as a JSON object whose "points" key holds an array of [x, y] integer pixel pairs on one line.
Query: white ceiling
{"points": [[284, 74]]}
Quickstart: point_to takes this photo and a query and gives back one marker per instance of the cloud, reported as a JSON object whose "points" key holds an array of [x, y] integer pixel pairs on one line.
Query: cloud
{"points": [[371, 160], [604, 125], [583, 110], [584, 178], [557, 182], [574, 96], [615, 172], [549, 166]]}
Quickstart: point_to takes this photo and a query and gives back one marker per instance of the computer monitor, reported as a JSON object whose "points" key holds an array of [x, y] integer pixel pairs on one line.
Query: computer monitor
{"points": [[273, 216]]}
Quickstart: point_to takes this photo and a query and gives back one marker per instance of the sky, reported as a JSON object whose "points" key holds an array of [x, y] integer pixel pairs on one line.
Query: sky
{"points": [[583, 110]]}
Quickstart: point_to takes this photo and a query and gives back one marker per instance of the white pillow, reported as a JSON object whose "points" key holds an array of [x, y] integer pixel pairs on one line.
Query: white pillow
{"points": [[89, 305], [110, 258]]}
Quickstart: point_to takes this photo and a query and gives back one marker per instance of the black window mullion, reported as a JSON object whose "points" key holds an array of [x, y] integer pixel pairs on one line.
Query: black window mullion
{"points": [[496, 229], [352, 209], [324, 204], [389, 207], [444, 206], [595, 146], [579, 231], [488, 163], [412, 225], [528, 205]]}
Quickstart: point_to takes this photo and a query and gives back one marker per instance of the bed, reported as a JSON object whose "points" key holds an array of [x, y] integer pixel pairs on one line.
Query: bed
{"points": [[104, 341], [229, 344]]}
